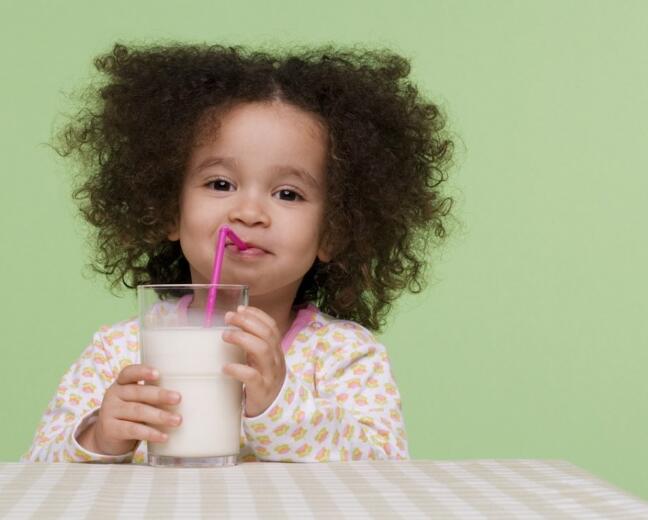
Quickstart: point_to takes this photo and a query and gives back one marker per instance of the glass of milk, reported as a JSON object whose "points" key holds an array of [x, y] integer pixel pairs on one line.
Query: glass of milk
{"points": [[189, 352]]}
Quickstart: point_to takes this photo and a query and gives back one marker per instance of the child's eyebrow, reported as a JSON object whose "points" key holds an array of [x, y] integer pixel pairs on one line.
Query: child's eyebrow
{"points": [[284, 169]]}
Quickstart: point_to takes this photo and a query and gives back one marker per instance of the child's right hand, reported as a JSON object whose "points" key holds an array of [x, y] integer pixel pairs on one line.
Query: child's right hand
{"points": [[127, 411]]}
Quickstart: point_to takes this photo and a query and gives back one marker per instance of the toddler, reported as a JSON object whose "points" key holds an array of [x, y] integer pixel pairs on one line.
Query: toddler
{"points": [[328, 163]]}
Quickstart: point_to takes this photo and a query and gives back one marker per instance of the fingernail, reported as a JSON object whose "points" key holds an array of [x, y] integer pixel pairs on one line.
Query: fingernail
{"points": [[175, 419], [164, 437], [174, 396], [155, 373], [240, 308], [228, 315]]}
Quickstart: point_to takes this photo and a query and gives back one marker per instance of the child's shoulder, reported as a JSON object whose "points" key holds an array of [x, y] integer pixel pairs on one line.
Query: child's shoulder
{"points": [[324, 327], [124, 329]]}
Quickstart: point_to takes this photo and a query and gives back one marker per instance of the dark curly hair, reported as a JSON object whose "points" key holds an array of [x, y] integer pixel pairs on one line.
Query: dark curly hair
{"points": [[388, 154]]}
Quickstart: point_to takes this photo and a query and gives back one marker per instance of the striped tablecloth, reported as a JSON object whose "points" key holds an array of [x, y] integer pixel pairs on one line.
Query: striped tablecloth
{"points": [[497, 489]]}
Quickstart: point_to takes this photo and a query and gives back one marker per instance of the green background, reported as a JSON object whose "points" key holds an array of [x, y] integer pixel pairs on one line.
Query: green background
{"points": [[531, 340]]}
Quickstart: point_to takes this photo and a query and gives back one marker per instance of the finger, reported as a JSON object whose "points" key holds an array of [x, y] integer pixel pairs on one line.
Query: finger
{"points": [[263, 316], [144, 413], [135, 373], [251, 323], [148, 394], [243, 373], [260, 354], [127, 430]]}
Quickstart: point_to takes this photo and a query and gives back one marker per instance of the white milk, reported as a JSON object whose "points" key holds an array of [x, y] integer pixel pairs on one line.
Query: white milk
{"points": [[190, 362]]}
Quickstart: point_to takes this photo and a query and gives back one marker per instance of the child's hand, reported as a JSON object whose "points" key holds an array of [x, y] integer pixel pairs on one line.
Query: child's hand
{"points": [[125, 408], [266, 369]]}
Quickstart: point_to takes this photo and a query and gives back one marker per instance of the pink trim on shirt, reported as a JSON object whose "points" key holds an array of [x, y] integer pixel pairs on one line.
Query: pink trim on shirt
{"points": [[303, 318], [183, 305]]}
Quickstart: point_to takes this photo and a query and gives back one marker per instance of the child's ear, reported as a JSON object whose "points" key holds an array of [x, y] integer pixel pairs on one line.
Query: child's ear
{"points": [[174, 232], [323, 254]]}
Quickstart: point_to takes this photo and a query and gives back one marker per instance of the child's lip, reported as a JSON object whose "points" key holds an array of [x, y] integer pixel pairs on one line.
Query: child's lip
{"points": [[252, 249]]}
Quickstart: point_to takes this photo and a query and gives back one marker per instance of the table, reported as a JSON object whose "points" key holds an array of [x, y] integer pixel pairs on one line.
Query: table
{"points": [[498, 489]]}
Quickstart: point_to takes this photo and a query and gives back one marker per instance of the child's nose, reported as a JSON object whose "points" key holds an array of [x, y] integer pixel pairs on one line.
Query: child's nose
{"points": [[249, 211]]}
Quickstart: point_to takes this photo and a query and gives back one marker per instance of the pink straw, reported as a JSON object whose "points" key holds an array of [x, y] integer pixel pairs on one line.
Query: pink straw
{"points": [[223, 232]]}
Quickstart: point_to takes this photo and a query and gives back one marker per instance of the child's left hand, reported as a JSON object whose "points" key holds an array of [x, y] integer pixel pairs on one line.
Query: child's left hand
{"points": [[265, 371]]}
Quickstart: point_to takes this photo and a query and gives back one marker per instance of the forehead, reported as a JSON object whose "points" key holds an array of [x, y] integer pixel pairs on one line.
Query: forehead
{"points": [[270, 135]]}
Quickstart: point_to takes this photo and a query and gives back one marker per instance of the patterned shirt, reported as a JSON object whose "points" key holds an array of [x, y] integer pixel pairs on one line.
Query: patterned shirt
{"points": [[339, 400]]}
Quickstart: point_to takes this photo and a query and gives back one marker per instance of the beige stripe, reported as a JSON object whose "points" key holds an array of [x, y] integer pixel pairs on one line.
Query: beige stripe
{"points": [[426, 495], [266, 496], [87, 487], [297, 483], [534, 494], [427, 476], [134, 500], [188, 494], [585, 490], [327, 478], [215, 502], [160, 502], [239, 492], [371, 498], [469, 492], [65, 482], [116, 483], [20, 479]]}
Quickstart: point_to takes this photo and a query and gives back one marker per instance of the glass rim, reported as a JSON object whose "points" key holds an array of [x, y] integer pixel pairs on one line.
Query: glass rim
{"points": [[193, 286]]}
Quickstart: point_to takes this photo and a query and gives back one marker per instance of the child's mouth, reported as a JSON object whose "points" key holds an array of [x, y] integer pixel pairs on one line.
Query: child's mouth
{"points": [[250, 252]]}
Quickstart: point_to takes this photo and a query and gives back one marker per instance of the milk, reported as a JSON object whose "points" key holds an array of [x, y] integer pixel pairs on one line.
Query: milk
{"points": [[189, 361]]}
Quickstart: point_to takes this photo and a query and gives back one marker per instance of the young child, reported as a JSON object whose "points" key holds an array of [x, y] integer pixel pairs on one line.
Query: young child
{"points": [[329, 163]]}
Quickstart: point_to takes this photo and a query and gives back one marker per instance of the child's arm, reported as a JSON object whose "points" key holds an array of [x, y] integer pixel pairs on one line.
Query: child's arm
{"points": [[75, 405], [338, 402]]}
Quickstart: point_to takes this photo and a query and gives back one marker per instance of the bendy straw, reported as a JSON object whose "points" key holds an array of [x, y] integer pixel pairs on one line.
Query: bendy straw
{"points": [[223, 233]]}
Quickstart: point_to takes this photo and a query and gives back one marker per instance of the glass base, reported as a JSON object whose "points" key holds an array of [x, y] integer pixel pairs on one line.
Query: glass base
{"points": [[192, 462]]}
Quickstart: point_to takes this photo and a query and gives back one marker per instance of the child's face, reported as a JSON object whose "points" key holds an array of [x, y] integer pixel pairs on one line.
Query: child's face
{"points": [[263, 174]]}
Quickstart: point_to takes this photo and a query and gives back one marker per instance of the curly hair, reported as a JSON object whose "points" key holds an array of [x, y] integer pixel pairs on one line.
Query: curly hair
{"points": [[388, 155]]}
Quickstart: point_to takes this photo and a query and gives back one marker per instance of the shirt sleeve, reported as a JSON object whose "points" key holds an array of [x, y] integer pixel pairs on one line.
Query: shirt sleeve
{"points": [[338, 402], [76, 403]]}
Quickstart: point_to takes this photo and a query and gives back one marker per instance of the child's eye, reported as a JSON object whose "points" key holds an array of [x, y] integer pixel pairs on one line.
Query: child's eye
{"points": [[220, 185], [289, 195]]}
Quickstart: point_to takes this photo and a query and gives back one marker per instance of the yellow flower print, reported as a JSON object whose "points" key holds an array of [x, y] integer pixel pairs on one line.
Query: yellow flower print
{"points": [[138, 458], [259, 427], [93, 403], [348, 431], [390, 389], [276, 413], [264, 439], [380, 399], [378, 368], [359, 369], [344, 454], [82, 455], [298, 434], [322, 455], [317, 418], [282, 449], [88, 388], [323, 346], [105, 376], [75, 399], [297, 367], [304, 450], [354, 383], [69, 417], [124, 363], [99, 359], [360, 400], [357, 454], [341, 397], [395, 415], [372, 383], [321, 435], [88, 372], [290, 395], [133, 346], [338, 336], [336, 438], [61, 390], [263, 451], [298, 415], [281, 430]]}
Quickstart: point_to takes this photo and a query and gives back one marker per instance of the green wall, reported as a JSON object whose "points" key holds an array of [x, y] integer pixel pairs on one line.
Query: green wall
{"points": [[531, 340]]}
